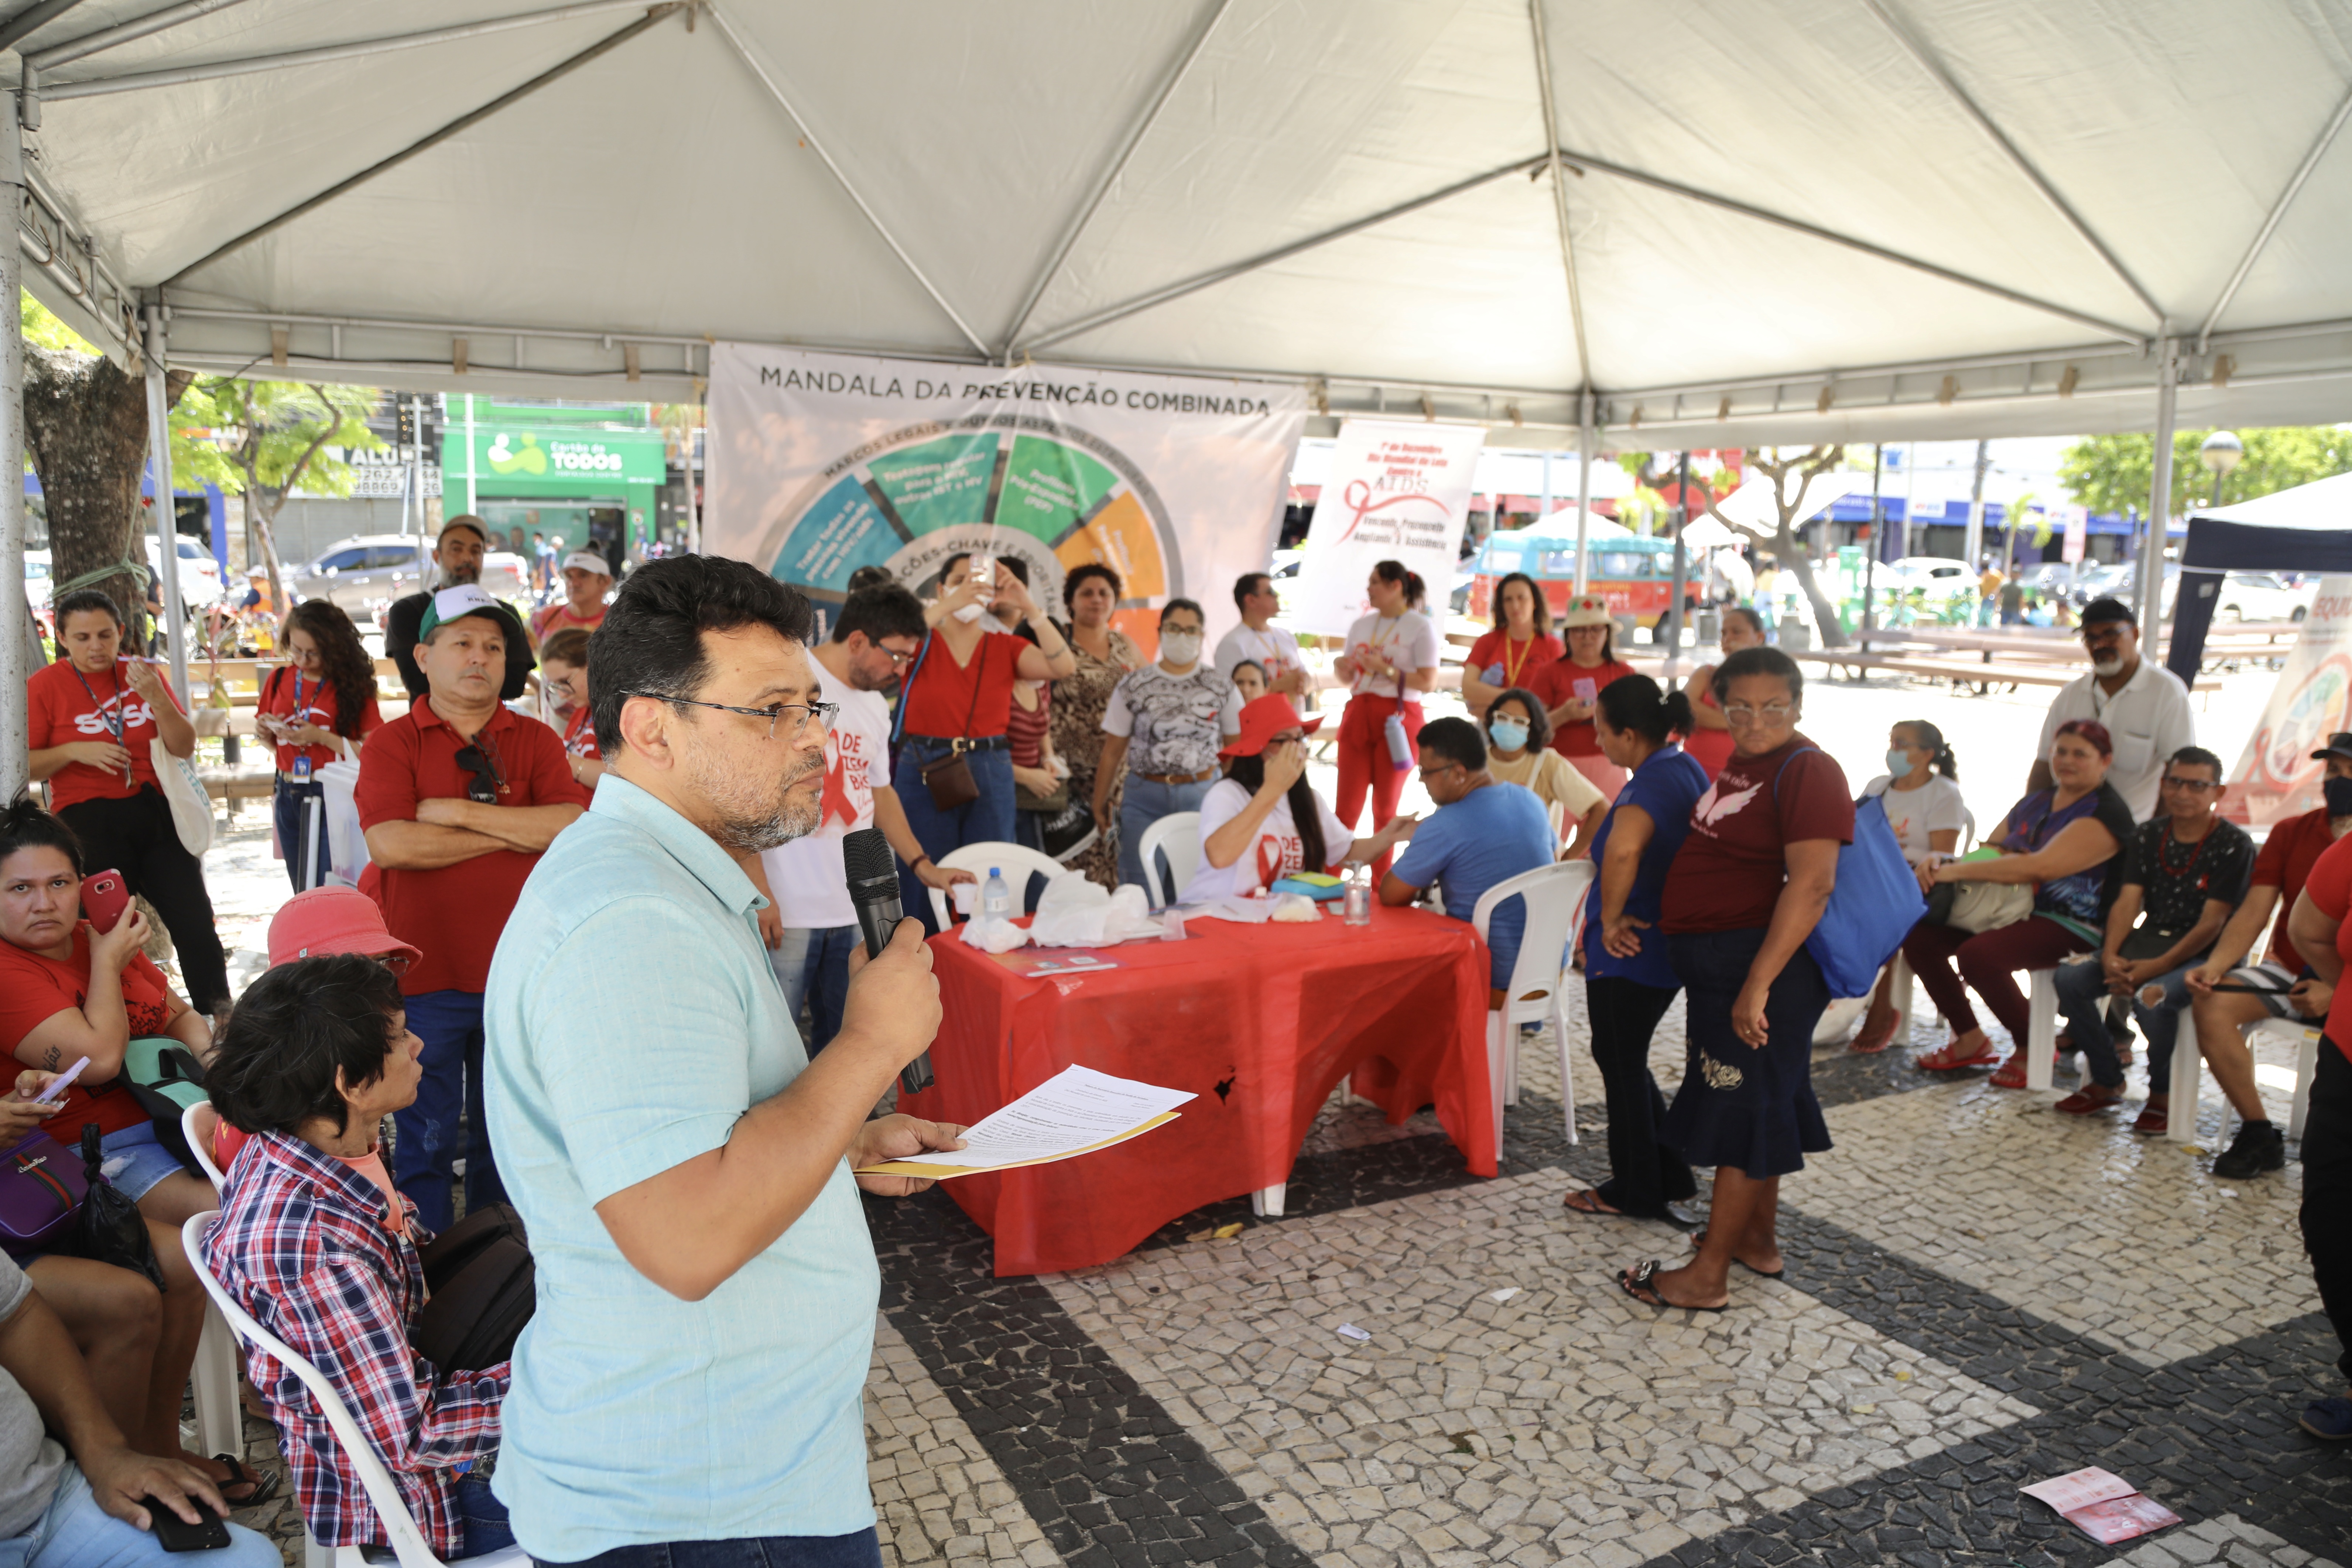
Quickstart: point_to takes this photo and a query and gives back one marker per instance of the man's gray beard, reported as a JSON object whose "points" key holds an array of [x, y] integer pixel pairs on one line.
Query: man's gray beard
{"points": [[2107, 666], [455, 576], [739, 827]]}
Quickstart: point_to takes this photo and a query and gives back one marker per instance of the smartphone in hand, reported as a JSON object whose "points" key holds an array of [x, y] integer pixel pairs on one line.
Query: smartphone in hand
{"points": [[174, 1533], [104, 899]]}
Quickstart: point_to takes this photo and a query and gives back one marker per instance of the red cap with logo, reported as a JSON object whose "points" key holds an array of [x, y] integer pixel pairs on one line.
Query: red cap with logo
{"points": [[333, 920], [1263, 720]]}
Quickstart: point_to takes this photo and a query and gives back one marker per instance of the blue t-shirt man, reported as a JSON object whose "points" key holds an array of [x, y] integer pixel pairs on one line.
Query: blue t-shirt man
{"points": [[1490, 833], [1667, 787]]}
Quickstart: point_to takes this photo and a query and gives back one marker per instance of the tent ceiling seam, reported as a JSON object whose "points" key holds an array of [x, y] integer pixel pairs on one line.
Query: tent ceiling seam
{"points": [[1934, 66], [1559, 192], [358, 48], [1110, 177], [107, 37], [562, 69], [2270, 224], [776, 92]]}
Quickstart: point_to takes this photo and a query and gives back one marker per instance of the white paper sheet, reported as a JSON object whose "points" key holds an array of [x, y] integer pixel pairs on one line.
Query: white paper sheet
{"points": [[1075, 1108]]}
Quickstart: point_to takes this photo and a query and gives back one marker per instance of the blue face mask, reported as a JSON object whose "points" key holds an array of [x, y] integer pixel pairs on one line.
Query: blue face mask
{"points": [[1508, 734], [1898, 762]]}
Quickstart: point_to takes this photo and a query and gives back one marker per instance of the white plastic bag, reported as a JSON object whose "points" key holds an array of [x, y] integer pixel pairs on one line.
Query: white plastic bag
{"points": [[1295, 909], [994, 936]]}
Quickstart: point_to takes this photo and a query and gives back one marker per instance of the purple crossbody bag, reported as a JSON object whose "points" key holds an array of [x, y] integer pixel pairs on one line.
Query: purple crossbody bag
{"points": [[41, 1189]]}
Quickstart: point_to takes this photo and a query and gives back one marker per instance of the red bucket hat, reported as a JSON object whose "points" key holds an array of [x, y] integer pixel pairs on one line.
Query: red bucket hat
{"points": [[333, 920], [1264, 719]]}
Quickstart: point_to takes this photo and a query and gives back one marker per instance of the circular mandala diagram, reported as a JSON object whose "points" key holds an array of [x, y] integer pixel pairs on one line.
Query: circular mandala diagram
{"points": [[1054, 495]]}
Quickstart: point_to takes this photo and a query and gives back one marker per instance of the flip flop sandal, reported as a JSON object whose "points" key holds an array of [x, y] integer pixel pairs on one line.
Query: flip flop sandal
{"points": [[2010, 1074], [264, 1484], [1633, 1281], [2151, 1119], [1698, 1240], [2080, 1104], [1944, 1061], [1589, 1202]]}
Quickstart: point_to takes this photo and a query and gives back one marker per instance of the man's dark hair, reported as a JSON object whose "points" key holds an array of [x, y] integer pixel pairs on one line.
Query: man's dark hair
{"points": [[25, 826], [1756, 661], [2199, 757], [82, 599], [1455, 740], [273, 1066], [2109, 610], [886, 612], [1245, 585], [870, 577], [651, 642]]}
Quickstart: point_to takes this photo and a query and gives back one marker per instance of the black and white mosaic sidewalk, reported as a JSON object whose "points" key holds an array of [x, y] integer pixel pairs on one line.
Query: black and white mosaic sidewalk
{"points": [[1980, 1294]]}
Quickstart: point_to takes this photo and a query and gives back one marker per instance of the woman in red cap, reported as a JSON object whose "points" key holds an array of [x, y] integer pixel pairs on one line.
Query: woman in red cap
{"points": [[1392, 659], [1263, 821]]}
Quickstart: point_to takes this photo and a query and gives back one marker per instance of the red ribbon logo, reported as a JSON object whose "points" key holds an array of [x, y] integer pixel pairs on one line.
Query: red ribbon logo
{"points": [[1359, 502]]}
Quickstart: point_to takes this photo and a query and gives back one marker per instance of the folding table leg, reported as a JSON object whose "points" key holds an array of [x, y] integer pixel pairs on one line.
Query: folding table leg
{"points": [[2188, 1081], [1267, 1202], [1498, 1038], [2042, 1030]]}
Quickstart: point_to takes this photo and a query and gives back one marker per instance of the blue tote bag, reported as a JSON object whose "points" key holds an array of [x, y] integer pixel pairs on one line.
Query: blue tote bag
{"points": [[1873, 908]]}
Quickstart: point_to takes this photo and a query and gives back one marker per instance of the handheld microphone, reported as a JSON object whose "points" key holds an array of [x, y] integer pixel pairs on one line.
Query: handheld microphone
{"points": [[873, 873]]}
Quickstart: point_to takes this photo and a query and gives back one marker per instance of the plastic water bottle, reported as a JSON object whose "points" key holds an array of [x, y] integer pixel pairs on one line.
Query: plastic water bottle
{"points": [[995, 897], [1356, 906], [1400, 752]]}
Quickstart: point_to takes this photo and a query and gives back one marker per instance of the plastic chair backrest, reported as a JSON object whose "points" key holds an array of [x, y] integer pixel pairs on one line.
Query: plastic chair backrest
{"points": [[978, 857], [1177, 836], [1554, 899], [407, 1541], [1967, 830], [197, 1124]]}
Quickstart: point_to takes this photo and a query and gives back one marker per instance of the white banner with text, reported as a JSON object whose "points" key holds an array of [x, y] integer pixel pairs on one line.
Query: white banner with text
{"points": [[2276, 777], [1393, 492]]}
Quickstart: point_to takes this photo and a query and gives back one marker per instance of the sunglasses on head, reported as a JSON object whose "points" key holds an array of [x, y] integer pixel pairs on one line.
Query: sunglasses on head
{"points": [[484, 788]]}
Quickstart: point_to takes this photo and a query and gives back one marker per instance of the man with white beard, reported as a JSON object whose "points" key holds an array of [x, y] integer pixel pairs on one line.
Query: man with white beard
{"points": [[707, 1288], [2143, 705]]}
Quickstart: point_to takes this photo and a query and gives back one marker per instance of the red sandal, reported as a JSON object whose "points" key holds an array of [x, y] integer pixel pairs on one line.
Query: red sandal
{"points": [[2010, 1074], [1945, 1061]]}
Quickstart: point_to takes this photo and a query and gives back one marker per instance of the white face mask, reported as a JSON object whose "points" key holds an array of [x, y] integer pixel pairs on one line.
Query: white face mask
{"points": [[969, 613], [1179, 648]]}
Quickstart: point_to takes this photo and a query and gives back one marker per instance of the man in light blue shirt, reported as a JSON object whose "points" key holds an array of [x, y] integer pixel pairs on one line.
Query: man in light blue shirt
{"points": [[707, 1288], [1483, 832]]}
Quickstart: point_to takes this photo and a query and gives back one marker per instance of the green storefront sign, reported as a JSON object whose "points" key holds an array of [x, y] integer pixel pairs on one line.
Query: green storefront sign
{"points": [[566, 472]]}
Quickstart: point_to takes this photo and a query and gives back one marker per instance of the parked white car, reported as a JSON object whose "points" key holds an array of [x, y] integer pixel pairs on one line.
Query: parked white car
{"points": [[2260, 597], [200, 577]]}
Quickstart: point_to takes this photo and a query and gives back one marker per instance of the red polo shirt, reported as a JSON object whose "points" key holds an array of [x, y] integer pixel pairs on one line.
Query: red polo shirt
{"points": [[454, 915], [63, 704]]}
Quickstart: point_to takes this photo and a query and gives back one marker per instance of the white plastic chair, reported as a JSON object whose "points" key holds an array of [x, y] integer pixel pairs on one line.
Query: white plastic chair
{"points": [[2188, 1076], [220, 1418], [1553, 897], [978, 857], [408, 1542], [1178, 835]]}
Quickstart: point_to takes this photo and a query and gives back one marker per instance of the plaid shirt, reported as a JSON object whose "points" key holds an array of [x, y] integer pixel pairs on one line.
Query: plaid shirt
{"points": [[303, 1245]]}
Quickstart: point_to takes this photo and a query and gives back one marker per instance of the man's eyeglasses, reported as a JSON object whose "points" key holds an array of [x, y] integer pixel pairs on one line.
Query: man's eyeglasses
{"points": [[1429, 773], [822, 712], [1770, 713], [2174, 781], [898, 660], [2104, 632], [397, 962], [483, 789]]}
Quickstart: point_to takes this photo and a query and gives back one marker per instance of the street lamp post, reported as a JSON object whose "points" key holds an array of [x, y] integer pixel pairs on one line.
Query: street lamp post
{"points": [[2222, 452]]}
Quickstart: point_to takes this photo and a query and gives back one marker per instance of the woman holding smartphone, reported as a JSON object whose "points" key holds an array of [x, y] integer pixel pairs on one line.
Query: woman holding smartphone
{"points": [[319, 705]]}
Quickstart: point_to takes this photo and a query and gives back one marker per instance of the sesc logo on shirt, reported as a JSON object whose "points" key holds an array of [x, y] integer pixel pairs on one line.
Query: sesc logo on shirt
{"points": [[134, 713]]}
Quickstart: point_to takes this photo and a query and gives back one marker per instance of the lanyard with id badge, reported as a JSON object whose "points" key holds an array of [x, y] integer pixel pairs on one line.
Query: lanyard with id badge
{"points": [[300, 770]]}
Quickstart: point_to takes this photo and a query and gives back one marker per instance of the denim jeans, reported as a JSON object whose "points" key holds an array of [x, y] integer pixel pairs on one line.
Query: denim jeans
{"points": [[2083, 1000], [863, 1550], [484, 1518], [812, 964], [75, 1533], [986, 820], [424, 1145], [1147, 803]]}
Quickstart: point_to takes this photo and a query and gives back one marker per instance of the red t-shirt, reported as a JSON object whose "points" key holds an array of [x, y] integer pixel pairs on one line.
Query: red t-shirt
{"points": [[2288, 854], [34, 989], [1708, 748], [63, 704], [1519, 660], [2330, 888], [319, 705], [580, 733], [1556, 683], [1729, 871], [545, 623], [454, 915], [941, 694]]}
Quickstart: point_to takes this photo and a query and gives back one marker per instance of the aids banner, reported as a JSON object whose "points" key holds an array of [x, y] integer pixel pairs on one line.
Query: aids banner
{"points": [[1394, 492], [820, 464], [2276, 777]]}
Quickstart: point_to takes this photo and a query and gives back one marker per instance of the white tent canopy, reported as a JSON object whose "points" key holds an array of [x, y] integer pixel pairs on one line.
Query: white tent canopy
{"points": [[1818, 218]]}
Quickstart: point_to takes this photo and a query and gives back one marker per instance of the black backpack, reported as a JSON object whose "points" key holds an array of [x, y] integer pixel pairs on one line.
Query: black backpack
{"points": [[483, 1290]]}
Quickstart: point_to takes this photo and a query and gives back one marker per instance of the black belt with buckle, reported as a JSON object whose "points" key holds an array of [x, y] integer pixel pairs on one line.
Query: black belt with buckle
{"points": [[958, 743]]}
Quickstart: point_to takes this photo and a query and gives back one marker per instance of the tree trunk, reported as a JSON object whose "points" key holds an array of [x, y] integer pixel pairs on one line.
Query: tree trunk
{"points": [[86, 425], [1790, 550], [261, 504]]}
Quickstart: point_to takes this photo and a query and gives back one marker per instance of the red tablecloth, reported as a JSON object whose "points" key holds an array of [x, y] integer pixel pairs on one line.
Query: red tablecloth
{"points": [[1260, 1022]]}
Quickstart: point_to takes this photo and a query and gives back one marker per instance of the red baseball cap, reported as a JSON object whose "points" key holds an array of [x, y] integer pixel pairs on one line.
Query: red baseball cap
{"points": [[333, 920], [1264, 719]]}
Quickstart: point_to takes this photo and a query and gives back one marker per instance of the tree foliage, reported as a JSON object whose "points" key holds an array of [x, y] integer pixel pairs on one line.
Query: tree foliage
{"points": [[1792, 474], [269, 437], [2114, 474]]}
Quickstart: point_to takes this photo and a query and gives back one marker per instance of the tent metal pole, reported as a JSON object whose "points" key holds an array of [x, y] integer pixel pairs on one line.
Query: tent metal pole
{"points": [[1192, 285], [1560, 190], [1584, 444], [1972, 551], [360, 48], [18, 28], [776, 92], [167, 514], [17, 638], [1672, 623], [2147, 598], [2270, 224], [1110, 176], [1780, 220], [610, 42], [1929, 61], [107, 37]]}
